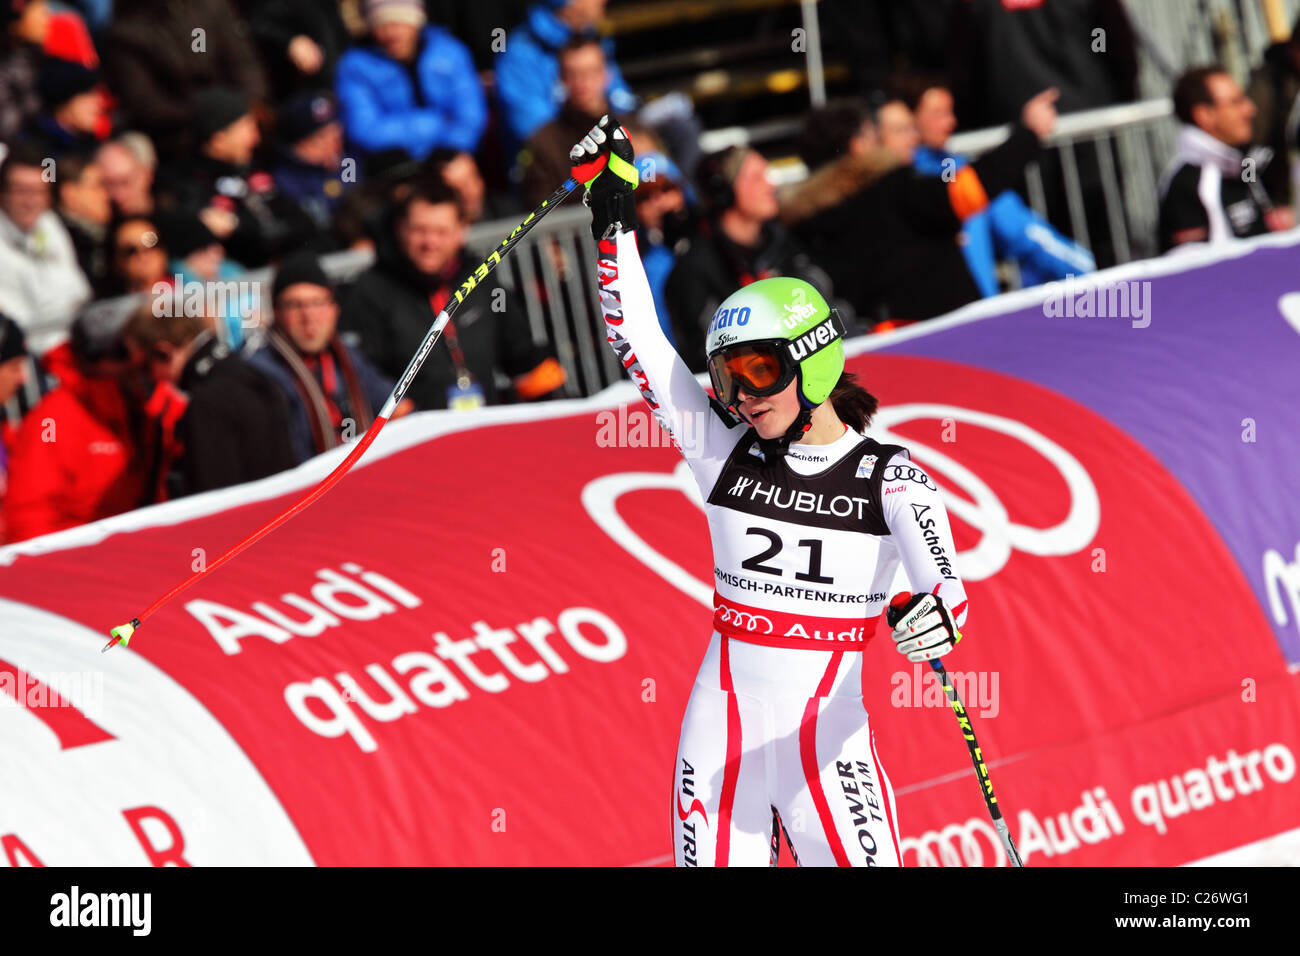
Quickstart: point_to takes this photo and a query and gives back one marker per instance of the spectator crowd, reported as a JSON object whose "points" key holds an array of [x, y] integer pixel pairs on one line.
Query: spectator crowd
{"points": [[153, 154]]}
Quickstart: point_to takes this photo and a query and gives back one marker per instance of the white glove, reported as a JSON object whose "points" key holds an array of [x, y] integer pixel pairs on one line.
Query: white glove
{"points": [[923, 626]]}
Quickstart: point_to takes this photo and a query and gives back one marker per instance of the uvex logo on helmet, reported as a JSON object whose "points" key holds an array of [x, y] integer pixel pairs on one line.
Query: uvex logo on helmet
{"points": [[797, 313], [815, 339]]}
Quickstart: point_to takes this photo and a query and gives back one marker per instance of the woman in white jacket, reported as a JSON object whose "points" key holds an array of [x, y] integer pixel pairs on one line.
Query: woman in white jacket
{"points": [[810, 521]]}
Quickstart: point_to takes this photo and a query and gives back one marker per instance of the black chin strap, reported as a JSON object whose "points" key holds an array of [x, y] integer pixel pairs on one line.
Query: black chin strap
{"points": [[771, 447]]}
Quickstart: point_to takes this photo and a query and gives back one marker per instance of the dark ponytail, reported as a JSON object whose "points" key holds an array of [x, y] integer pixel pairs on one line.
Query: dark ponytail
{"points": [[852, 403]]}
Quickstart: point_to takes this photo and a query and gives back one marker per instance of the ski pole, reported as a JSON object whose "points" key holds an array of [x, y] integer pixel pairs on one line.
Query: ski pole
{"points": [[123, 632], [892, 616], [981, 769]]}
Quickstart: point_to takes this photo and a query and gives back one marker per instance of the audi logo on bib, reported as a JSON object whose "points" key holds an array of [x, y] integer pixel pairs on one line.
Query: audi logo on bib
{"points": [[747, 620]]}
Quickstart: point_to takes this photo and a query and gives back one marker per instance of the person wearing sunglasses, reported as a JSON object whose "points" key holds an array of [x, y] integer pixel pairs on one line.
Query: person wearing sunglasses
{"points": [[140, 258], [811, 523]]}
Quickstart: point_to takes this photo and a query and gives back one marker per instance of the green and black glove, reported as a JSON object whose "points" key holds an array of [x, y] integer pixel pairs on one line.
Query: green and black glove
{"points": [[602, 162]]}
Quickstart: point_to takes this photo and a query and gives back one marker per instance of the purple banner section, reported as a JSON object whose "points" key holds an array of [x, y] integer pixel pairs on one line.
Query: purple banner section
{"points": [[1197, 359]]}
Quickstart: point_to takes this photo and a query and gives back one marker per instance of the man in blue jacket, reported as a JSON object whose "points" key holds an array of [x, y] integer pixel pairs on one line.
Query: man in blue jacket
{"points": [[414, 88], [528, 69]]}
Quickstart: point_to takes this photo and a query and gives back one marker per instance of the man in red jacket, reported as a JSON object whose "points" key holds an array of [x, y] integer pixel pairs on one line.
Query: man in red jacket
{"points": [[75, 459]]}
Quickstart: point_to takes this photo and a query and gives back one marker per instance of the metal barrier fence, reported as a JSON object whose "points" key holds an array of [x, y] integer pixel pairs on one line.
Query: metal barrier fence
{"points": [[553, 269], [555, 274], [552, 272], [1127, 145], [1175, 35], [1113, 157]]}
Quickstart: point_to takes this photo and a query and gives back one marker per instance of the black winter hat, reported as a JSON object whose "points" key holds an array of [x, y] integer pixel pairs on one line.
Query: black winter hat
{"points": [[61, 80], [305, 114], [13, 344], [216, 108], [299, 267], [184, 232]]}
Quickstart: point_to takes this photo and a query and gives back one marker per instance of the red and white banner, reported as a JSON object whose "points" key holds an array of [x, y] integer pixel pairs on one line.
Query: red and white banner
{"points": [[478, 649]]}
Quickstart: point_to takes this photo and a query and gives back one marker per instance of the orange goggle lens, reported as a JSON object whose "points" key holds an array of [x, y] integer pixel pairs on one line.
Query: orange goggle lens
{"points": [[757, 369]]}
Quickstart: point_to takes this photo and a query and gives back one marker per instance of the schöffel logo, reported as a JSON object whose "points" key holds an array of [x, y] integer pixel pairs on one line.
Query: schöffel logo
{"points": [[927, 526], [814, 340]]}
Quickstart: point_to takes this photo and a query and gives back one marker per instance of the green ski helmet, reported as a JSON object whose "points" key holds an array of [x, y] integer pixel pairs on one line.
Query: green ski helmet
{"points": [[769, 333]]}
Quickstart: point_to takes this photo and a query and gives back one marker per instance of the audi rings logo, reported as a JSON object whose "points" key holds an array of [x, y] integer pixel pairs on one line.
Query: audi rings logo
{"points": [[969, 498], [908, 473], [729, 615], [973, 843]]}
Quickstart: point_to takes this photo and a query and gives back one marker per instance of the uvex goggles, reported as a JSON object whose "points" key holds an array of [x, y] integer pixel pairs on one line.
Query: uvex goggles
{"points": [[767, 366]]}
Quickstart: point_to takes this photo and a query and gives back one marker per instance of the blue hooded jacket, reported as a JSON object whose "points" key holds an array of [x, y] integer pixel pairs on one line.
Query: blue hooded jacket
{"points": [[1008, 229], [528, 73], [382, 109]]}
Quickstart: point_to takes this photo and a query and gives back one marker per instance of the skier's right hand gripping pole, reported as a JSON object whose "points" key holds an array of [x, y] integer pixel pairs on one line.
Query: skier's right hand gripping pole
{"points": [[602, 162], [923, 629]]}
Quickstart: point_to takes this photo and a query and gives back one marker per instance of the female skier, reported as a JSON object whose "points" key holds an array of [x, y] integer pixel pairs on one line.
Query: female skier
{"points": [[809, 521]]}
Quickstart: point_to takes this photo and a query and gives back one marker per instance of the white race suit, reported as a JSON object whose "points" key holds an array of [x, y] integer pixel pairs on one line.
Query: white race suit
{"points": [[805, 548]]}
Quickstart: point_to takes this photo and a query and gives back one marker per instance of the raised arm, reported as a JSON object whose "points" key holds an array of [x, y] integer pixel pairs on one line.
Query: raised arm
{"points": [[679, 402]]}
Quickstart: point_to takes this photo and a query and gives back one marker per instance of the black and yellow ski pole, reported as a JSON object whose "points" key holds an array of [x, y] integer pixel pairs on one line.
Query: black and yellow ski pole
{"points": [[892, 616], [123, 632]]}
